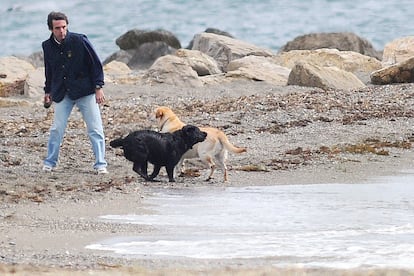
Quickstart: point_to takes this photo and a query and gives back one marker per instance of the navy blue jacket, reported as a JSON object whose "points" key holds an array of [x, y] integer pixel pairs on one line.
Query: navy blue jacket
{"points": [[71, 68]]}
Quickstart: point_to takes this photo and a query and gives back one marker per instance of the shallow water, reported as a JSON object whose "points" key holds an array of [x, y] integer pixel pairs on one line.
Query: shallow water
{"points": [[323, 225]]}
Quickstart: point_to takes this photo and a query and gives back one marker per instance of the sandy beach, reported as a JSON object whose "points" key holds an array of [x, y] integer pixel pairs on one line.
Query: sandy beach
{"points": [[294, 135]]}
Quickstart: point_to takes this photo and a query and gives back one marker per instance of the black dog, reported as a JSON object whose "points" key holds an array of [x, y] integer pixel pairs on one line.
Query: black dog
{"points": [[160, 149]]}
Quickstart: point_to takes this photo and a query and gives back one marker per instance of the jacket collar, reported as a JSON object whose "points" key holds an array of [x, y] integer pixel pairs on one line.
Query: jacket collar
{"points": [[57, 43]]}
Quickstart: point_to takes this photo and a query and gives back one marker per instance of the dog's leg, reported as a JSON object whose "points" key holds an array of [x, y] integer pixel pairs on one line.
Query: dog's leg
{"points": [[179, 168], [224, 168], [141, 169], [170, 172], [155, 172], [212, 166], [182, 165], [221, 159]]}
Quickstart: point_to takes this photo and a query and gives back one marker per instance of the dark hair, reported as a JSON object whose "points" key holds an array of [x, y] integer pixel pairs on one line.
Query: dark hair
{"points": [[56, 16]]}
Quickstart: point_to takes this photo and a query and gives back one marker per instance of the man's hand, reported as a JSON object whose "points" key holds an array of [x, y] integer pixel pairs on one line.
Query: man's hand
{"points": [[47, 101], [99, 95]]}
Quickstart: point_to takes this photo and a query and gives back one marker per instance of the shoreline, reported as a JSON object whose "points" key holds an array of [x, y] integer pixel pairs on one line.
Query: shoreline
{"points": [[36, 228], [46, 220]]}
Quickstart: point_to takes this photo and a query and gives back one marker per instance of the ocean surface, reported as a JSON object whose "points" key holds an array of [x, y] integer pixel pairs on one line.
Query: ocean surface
{"points": [[265, 23], [334, 225]]}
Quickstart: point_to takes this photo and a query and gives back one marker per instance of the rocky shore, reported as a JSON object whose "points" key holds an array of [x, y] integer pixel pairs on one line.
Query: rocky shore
{"points": [[293, 135]]}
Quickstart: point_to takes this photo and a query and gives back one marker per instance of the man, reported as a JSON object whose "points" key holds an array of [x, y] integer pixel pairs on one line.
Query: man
{"points": [[74, 76]]}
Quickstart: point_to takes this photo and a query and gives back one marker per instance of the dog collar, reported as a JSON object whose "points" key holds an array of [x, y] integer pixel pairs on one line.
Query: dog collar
{"points": [[163, 124]]}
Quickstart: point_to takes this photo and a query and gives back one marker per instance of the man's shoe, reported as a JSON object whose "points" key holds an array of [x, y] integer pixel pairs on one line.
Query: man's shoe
{"points": [[47, 168], [102, 171]]}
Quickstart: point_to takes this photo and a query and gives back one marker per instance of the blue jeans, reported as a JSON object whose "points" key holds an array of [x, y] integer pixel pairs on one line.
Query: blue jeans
{"points": [[91, 115]]}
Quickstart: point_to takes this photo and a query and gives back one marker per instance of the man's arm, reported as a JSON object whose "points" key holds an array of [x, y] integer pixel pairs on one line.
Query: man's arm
{"points": [[96, 65]]}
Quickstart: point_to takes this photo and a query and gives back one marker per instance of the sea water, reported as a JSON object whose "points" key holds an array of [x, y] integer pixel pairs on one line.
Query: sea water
{"points": [[265, 23], [322, 225]]}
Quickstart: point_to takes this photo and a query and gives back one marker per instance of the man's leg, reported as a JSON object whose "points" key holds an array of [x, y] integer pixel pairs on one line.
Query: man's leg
{"points": [[92, 117], [57, 131]]}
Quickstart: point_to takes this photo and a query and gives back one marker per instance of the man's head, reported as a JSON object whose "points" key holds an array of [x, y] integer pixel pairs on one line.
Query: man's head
{"points": [[58, 23]]}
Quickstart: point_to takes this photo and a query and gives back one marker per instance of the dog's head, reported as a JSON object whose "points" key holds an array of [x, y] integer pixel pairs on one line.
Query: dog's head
{"points": [[192, 135], [167, 120], [163, 112]]}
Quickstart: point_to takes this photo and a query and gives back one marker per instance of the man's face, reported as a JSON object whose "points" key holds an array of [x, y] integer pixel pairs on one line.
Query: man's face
{"points": [[59, 29]]}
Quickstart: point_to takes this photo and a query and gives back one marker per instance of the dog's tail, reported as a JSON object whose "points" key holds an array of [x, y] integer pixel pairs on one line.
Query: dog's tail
{"points": [[229, 146], [117, 143]]}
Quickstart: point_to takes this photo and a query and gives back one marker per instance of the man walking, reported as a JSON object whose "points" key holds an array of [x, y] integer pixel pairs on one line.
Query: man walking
{"points": [[74, 76]]}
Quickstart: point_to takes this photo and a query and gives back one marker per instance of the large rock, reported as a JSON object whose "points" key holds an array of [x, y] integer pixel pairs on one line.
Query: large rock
{"points": [[398, 50], [36, 59], [212, 31], [134, 38], [116, 68], [172, 70], [13, 73], [142, 57], [119, 73], [34, 84], [123, 56], [402, 72], [139, 48], [201, 63], [225, 49], [360, 65], [311, 75], [344, 41], [258, 68]]}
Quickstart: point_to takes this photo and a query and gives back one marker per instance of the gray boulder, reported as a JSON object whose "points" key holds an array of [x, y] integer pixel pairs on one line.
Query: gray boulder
{"points": [[203, 64], [211, 31], [139, 49], [344, 41], [134, 38], [172, 70], [360, 65], [398, 50], [34, 83], [259, 69], [225, 49], [311, 75], [142, 57], [402, 72], [36, 59], [13, 74], [119, 73], [123, 56]]}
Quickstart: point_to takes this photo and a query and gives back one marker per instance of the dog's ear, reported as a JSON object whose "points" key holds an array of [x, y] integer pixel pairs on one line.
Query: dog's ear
{"points": [[159, 113], [189, 129]]}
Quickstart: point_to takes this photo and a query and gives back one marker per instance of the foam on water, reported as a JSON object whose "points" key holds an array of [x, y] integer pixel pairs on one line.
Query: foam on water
{"points": [[330, 225]]}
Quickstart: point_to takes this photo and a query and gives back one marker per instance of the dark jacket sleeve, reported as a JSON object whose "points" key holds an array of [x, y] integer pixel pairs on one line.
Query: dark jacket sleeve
{"points": [[48, 72], [96, 65]]}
